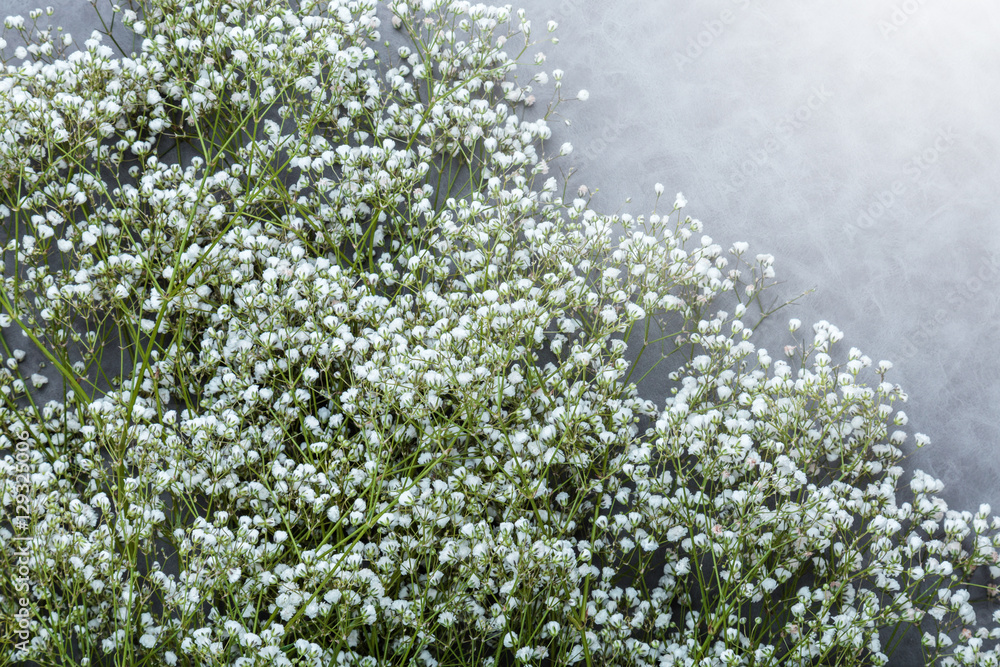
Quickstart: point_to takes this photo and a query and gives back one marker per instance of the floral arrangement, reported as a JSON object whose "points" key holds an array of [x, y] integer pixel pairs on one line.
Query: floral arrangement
{"points": [[374, 405]]}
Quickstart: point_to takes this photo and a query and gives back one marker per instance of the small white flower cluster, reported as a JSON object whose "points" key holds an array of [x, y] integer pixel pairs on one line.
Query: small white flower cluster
{"points": [[370, 411]]}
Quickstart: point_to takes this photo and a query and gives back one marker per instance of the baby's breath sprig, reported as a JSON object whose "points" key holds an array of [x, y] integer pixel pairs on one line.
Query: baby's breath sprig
{"points": [[372, 403]]}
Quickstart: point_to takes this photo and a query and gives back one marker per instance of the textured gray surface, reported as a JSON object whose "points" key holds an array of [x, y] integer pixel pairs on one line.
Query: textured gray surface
{"points": [[854, 140]]}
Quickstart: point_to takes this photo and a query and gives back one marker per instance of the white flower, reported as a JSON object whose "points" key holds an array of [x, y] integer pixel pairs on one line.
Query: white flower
{"points": [[566, 149], [583, 95], [680, 202]]}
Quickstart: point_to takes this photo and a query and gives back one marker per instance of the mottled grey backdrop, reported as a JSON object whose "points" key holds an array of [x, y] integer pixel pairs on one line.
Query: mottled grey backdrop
{"points": [[857, 141]]}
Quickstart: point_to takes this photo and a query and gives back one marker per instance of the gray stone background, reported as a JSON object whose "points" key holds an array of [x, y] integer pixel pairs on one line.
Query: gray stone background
{"points": [[857, 141]]}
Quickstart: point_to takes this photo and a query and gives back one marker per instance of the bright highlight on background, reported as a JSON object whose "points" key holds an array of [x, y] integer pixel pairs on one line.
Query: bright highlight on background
{"points": [[856, 141]]}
